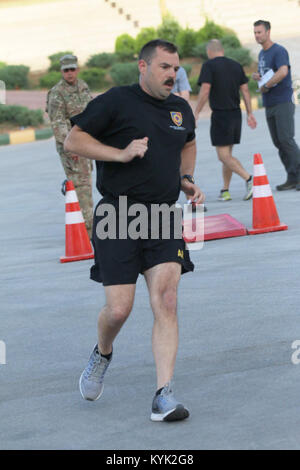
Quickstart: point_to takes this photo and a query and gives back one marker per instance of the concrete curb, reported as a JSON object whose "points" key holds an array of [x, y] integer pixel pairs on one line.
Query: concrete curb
{"points": [[26, 135]]}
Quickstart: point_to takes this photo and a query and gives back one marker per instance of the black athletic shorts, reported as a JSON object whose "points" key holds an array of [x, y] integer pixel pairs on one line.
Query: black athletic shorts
{"points": [[225, 127], [120, 261]]}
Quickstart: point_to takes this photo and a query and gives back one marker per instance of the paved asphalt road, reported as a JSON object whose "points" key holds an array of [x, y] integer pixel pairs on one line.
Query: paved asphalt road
{"points": [[239, 315]]}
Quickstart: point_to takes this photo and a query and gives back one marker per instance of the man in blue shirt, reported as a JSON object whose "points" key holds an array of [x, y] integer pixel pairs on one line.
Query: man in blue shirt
{"points": [[182, 87], [277, 95]]}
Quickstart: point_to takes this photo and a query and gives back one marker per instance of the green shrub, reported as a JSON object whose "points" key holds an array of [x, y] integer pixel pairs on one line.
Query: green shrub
{"points": [[231, 41], [124, 74], [187, 68], [241, 55], [168, 29], [21, 116], [94, 77], [200, 51], [125, 47], [102, 60], [50, 79], [54, 60], [186, 39], [252, 85], [209, 31], [14, 76], [2, 64], [144, 36], [194, 85]]}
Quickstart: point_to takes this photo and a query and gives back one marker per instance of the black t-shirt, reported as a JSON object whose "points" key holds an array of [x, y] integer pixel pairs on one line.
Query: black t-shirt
{"points": [[225, 76], [123, 114]]}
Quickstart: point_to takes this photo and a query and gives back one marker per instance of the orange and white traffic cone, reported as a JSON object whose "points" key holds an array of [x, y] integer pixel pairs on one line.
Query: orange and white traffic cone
{"points": [[78, 245], [265, 217]]}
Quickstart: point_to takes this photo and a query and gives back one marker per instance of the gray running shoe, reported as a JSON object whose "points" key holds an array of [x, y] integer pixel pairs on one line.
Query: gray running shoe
{"points": [[91, 380], [165, 407], [249, 190]]}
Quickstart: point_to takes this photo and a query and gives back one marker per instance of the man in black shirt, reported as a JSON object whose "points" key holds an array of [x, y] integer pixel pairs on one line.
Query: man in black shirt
{"points": [[142, 138], [221, 80]]}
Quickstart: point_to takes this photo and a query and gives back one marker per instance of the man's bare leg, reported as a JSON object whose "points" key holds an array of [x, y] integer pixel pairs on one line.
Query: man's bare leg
{"points": [[227, 174], [225, 156], [162, 281], [119, 302]]}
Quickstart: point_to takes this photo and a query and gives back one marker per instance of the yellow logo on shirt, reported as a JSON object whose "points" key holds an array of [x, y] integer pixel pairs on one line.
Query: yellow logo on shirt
{"points": [[176, 117], [180, 254]]}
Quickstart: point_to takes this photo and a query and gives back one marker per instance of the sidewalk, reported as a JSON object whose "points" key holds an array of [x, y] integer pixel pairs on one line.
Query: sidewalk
{"points": [[32, 99], [36, 99]]}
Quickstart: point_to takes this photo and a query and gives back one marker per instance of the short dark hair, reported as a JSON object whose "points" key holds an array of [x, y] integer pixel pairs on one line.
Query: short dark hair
{"points": [[264, 23], [148, 50]]}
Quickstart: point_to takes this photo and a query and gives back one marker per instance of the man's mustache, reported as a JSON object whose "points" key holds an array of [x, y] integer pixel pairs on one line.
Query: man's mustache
{"points": [[170, 81]]}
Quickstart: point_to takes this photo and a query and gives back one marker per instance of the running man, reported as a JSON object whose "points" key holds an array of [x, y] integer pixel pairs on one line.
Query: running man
{"points": [[142, 138]]}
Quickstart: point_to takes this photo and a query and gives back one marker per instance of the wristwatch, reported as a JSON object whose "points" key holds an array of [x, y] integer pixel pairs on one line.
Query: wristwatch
{"points": [[190, 178]]}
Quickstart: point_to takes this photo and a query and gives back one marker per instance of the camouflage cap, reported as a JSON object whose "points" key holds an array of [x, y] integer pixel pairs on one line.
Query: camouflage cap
{"points": [[68, 61]]}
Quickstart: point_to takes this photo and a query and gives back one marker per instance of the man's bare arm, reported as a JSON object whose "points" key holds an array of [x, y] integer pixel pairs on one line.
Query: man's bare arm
{"points": [[188, 160], [83, 144], [278, 76], [184, 94], [202, 98], [247, 100]]}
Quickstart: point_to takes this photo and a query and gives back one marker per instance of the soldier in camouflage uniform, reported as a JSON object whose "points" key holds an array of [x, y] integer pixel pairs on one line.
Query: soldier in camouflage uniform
{"points": [[67, 98]]}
